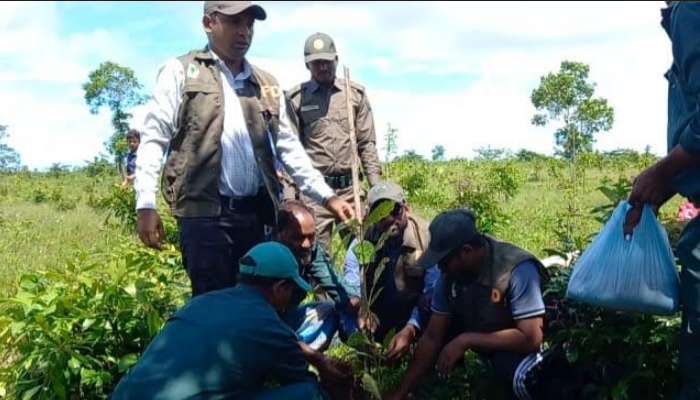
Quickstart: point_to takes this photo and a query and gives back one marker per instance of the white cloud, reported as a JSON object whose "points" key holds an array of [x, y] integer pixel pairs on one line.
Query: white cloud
{"points": [[53, 131], [495, 53], [503, 48], [42, 103]]}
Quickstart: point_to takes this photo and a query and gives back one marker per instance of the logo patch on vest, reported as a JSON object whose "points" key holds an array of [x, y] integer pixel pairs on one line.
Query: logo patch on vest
{"points": [[270, 91], [192, 71], [496, 296]]}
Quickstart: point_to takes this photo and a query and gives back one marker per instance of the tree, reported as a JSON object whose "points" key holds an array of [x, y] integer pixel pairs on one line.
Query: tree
{"points": [[489, 153], [391, 146], [567, 97], [116, 87], [410, 155], [529, 155], [439, 153], [9, 158]]}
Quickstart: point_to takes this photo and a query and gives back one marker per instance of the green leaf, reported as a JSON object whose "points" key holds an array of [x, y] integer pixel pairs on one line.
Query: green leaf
{"points": [[155, 322], [58, 385], [364, 252], [387, 339], [31, 392], [371, 386], [127, 361], [17, 327], [131, 289], [620, 391], [379, 213], [88, 323], [74, 364], [358, 340], [379, 270]]}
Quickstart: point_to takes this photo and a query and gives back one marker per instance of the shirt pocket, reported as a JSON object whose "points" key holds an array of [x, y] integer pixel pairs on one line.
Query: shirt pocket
{"points": [[197, 99]]}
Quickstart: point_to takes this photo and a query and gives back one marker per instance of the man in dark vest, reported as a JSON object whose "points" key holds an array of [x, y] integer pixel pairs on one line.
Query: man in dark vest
{"points": [[406, 287], [488, 300], [223, 123]]}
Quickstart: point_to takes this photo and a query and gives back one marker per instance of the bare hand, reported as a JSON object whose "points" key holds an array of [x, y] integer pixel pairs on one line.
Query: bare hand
{"points": [[341, 208], [651, 187], [150, 228], [400, 343], [368, 322], [330, 374], [450, 355]]}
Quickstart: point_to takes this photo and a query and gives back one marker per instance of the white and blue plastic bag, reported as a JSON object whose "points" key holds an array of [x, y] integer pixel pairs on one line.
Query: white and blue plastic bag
{"points": [[636, 273]]}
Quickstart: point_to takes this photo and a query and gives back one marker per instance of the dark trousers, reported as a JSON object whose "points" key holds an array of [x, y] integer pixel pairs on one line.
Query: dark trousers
{"points": [[689, 255], [212, 246]]}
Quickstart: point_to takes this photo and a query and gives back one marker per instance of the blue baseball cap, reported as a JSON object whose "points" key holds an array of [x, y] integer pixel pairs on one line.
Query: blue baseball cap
{"points": [[272, 260]]}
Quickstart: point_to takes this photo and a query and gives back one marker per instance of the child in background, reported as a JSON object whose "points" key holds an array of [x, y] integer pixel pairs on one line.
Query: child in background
{"points": [[133, 138]]}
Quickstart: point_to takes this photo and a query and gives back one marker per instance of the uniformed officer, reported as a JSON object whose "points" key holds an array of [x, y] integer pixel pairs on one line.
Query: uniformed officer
{"points": [[319, 111]]}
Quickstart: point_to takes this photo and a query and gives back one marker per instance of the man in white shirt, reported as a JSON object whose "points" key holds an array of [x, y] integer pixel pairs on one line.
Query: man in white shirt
{"points": [[223, 123]]}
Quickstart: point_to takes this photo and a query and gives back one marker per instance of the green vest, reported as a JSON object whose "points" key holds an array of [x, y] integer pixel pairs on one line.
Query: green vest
{"points": [[482, 306], [190, 180]]}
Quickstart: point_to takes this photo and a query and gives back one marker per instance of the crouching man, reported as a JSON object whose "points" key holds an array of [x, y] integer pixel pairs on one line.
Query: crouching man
{"points": [[241, 344], [488, 299]]}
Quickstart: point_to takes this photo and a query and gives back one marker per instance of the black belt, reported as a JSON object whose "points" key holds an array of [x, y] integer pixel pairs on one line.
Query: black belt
{"points": [[244, 203], [339, 182]]}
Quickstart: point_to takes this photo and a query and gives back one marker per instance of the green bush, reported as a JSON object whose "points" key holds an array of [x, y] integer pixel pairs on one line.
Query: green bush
{"points": [[616, 355], [71, 334], [40, 195]]}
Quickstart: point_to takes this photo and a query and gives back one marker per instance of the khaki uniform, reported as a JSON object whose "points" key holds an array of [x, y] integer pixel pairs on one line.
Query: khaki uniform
{"points": [[321, 119]]}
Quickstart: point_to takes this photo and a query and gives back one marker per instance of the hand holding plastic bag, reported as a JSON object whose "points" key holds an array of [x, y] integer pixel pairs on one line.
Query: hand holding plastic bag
{"points": [[635, 272]]}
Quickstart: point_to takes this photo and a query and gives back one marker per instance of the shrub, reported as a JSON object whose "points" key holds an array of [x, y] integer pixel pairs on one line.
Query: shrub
{"points": [[71, 334]]}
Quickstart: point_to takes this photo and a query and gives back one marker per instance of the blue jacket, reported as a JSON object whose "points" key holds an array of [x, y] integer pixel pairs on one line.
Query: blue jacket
{"points": [[681, 20]]}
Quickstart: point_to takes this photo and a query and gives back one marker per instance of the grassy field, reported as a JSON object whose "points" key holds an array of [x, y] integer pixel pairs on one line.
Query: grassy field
{"points": [[80, 227], [40, 235]]}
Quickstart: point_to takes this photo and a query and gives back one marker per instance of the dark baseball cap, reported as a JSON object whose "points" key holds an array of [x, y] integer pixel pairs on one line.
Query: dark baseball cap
{"points": [[319, 46], [234, 8], [448, 231], [385, 190], [272, 260]]}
